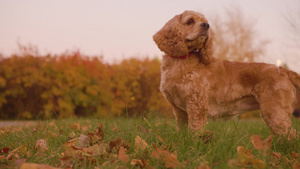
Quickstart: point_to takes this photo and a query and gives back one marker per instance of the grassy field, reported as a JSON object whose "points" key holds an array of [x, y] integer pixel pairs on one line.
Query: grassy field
{"points": [[145, 143]]}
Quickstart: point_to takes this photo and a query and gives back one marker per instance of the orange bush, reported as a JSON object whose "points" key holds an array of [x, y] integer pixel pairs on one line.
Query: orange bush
{"points": [[70, 84]]}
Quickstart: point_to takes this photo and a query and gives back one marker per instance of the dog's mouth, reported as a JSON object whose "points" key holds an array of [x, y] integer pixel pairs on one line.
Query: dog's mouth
{"points": [[197, 44], [202, 35]]}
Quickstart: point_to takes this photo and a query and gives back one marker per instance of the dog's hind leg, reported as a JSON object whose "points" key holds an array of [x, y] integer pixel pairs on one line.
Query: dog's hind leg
{"points": [[276, 110]]}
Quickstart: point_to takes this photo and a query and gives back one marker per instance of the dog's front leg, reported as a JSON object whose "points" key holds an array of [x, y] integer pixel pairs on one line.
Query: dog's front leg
{"points": [[196, 111]]}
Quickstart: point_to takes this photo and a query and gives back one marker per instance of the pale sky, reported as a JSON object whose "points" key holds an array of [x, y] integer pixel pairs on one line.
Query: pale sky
{"points": [[119, 29]]}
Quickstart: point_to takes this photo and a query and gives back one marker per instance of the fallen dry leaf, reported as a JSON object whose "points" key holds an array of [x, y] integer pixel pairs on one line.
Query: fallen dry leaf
{"points": [[84, 128], [137, 162], [140, 144], [142, 128], [264, 146], [97, 149], [295, 155], [169, 159], [70, 143], [206, 136], [83, 141], [72, 151], [2, 157], [160, 139], [20, 161], [36, 166], [99, 132], [296, 165], [116, 144], [116, 128], [246, 158], [17, 153], [41, 145], [95, 139], [122, 156], [203, 166], [4, 150], [72, 135]]}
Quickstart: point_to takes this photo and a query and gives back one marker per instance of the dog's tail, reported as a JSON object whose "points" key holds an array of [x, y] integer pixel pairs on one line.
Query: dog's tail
{"points": [[294, 77]]}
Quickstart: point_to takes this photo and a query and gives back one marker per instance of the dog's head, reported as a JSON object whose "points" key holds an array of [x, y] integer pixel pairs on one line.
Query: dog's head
{"points": [[186, 33]]}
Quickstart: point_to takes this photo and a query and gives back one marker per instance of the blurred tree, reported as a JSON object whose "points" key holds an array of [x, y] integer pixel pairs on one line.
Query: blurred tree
{"points": [[236, 39]]}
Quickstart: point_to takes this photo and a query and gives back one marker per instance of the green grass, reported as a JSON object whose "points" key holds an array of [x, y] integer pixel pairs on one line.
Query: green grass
{"points": [[191, 150]]}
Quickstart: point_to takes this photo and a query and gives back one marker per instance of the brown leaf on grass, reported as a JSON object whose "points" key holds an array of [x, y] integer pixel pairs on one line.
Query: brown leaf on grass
{"points": [[72, 135], [76, 126], [52, 125], [141, 163], [2, 157], [114, 145], [160, 139], [36, 166], [70, 143], [41, 145], [17, 153], [207, 136], [257, 143], [277, 158], [295, 155], [246, 158], [203, 166], [296, 165], [83, 141], [84, 128], [264, 146], [95, 139], [79, 152], [72, 151], [169, 159], [140, 144], [20, 161], [137, 162], [99, 132], [142, 128], [97, 149], [122, 156], [4, 150], [116, 128]]}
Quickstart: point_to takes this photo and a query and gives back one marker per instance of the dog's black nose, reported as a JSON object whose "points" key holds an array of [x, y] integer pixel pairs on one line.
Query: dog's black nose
{"points": [[204, 25]]}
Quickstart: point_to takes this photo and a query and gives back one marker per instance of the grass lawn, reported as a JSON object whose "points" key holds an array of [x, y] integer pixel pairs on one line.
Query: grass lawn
{"points": [[145, 143]]}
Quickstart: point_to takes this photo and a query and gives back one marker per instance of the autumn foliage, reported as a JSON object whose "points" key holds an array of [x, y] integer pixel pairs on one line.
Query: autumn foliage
{"points": [[71, 84]]}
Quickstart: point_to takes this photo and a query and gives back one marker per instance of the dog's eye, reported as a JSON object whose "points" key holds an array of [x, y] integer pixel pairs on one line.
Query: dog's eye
{"points": [[190, 22]]}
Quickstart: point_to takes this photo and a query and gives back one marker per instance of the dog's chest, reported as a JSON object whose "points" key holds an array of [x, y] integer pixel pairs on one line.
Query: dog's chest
{"points": [[176, 88]]}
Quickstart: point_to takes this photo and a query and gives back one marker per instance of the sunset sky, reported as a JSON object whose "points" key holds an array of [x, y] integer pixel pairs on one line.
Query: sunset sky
{"points": [[119, 29]]}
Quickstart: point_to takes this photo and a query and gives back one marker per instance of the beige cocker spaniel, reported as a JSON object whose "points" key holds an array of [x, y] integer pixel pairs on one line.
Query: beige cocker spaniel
{"points": [[198, 85]]}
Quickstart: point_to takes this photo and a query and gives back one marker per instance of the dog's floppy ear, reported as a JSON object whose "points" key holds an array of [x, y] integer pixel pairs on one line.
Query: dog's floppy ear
{"points": [[170, 39], [207, 51]]}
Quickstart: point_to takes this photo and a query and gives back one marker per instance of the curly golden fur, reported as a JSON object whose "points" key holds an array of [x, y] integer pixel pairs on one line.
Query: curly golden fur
{"points": [[200, 86]]}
